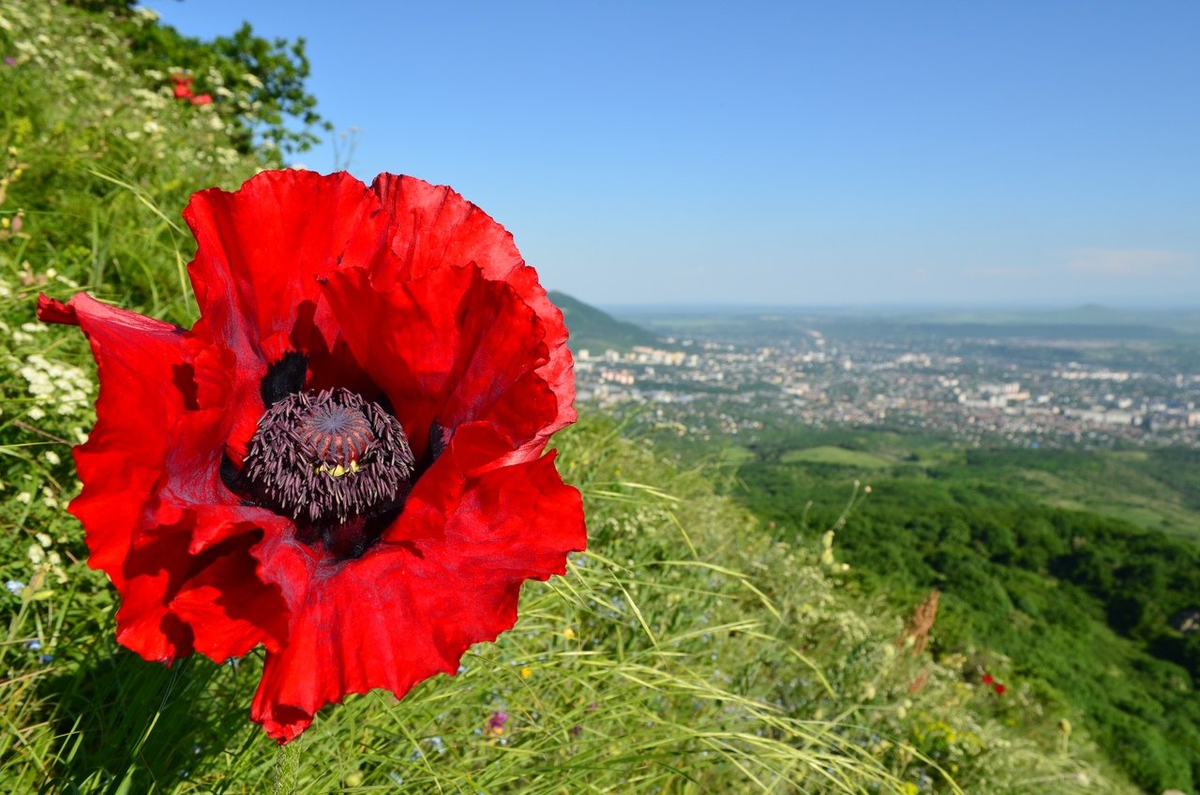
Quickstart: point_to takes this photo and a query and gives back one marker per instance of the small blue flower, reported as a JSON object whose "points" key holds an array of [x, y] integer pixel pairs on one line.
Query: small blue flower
{"points": [[45, 659], [15, 587], [33, 645]]}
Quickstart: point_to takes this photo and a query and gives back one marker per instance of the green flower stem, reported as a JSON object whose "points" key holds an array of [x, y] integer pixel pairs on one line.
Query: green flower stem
{"points": [[287, 769]]}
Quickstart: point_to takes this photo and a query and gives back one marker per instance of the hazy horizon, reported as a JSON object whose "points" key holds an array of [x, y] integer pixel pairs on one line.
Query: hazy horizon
{"points": [[898, 306]]}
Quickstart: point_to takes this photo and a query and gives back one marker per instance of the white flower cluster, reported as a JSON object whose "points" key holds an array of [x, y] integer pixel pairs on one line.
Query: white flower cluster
{"points": [[55, 385], [45, 559], [58, 389], [92, 61]]}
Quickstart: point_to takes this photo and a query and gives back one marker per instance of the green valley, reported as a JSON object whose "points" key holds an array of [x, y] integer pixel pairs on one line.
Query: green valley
{"points": [[1068, 571]]}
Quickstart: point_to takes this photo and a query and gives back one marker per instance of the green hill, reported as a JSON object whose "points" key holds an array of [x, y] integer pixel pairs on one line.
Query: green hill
{"points": [[597, 330], [1036, 556]]}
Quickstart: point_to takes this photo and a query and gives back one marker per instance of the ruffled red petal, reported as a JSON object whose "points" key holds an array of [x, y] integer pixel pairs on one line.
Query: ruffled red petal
{"points": [[227, 603], [407, 610], [122, 461], [434, 227], [449, 347], [261, 248], [149, 478], [259, 252]]}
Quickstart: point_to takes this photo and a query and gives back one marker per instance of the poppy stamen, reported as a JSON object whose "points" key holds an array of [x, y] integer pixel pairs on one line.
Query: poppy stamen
{"points": [[328, 457], [335, 432]]}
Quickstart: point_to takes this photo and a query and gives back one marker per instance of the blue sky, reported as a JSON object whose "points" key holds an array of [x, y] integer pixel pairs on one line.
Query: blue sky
{"points": [[802, 153]]}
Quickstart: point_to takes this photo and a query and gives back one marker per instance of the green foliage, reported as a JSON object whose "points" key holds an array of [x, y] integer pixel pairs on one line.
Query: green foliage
{"points": [[258, 84], [94, 149], [262, 81], [1179, 469], [1023, 578]]}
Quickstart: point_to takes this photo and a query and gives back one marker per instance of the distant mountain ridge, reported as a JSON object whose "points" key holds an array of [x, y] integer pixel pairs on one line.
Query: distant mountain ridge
{"points": [[594, 329]]}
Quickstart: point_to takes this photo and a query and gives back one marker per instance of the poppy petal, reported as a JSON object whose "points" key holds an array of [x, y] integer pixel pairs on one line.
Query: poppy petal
{"points": [[229, 606], [261, 247], [145, 484], [455, 348], [259, 252], [435, 227], [122, 461], [120, 464], [406, 611]]}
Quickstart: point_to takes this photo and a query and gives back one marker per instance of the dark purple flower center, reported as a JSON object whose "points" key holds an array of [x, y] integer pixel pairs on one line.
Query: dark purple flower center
{"points": [[327, 458]]}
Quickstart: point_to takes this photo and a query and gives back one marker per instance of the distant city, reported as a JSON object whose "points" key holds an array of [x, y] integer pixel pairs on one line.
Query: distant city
{"points": [[1026, 384]]}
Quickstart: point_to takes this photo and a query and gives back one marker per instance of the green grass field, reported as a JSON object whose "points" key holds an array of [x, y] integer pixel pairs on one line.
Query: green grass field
{"points": [[837, 456]]}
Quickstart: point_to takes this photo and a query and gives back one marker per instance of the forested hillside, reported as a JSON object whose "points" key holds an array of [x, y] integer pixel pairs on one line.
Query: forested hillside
{"points": [[1089, 608]]}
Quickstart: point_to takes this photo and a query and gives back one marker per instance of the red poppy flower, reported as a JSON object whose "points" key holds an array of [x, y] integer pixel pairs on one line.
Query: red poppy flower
{"points": [[988, 679], [1000, 689], [342, 460], [183, 86], [202, 99]]}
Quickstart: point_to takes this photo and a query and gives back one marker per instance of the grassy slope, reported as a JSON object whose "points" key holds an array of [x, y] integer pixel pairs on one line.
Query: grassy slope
{"points": [[982, 526], [687, 652]]}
